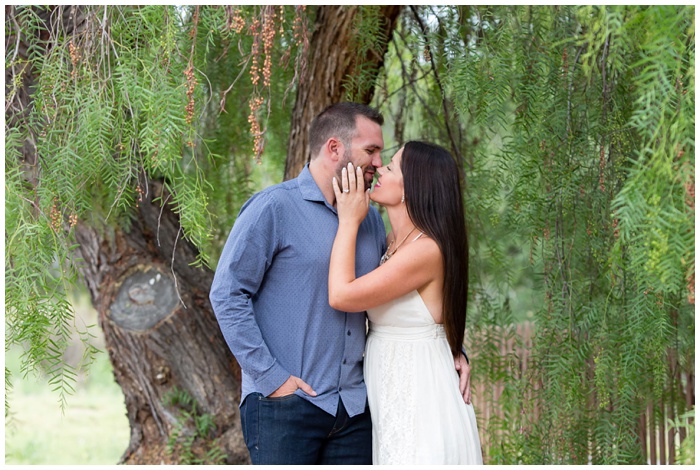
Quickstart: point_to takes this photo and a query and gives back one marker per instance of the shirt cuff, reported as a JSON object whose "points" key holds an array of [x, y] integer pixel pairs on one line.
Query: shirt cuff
{"points": [[464, 351], [272, 380]]}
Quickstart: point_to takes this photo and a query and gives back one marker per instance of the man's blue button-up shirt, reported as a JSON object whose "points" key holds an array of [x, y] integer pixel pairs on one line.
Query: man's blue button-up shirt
{"points": [[270, 295]]}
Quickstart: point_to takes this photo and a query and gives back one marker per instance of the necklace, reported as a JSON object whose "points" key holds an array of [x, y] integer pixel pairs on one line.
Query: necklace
{"points": [[388, 255]]}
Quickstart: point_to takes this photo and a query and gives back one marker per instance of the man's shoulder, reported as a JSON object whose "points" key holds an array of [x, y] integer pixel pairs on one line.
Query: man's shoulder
{"points": [[279, 189], [272, 195]]}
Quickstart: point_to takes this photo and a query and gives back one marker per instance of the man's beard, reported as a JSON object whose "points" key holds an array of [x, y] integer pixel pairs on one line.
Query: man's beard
{"points": [[367, 179]]}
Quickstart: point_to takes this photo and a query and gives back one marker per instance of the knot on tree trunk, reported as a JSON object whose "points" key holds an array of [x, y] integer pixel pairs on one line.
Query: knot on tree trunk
{"points": [[145, 297]]}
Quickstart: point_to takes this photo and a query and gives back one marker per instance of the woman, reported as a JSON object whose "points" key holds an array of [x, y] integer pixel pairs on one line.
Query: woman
{"points": [[416, 304]]}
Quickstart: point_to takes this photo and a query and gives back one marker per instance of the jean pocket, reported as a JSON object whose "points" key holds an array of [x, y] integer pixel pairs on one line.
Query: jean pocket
{"points": [[277, 399], [250, 419]]}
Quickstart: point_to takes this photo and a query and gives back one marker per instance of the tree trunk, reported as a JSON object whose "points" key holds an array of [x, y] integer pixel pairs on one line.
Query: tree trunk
{"points": [[162, 337], [153, 306], [331, 60]]}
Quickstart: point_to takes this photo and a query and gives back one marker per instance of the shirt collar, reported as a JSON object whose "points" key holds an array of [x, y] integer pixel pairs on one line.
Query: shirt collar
{"points": [[310, 190], [308, 187]]}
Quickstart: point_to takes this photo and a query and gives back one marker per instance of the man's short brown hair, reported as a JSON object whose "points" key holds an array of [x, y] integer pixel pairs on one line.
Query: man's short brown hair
{"points": [[339, 120]]}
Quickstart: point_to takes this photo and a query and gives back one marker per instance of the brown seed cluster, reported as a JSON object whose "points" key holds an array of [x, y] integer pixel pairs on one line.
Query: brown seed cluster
{"points": [[268, 38], [426, 53], [255, 51], [299, 10], [154, 159], [679, 86], [73, 220], [255, 130], [301, 38], [195, 22], [191, 84], [141, 193], [74, 58], [262, 28], [300, 31], [235, 21], [55, 216]]}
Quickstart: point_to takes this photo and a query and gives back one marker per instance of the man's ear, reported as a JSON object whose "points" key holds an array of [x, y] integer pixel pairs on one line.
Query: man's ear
{"points": [[335, 148]]}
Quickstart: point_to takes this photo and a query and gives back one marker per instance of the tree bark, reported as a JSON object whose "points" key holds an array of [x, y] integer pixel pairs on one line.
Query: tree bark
{"points": [[161, 334], [331, 60]]}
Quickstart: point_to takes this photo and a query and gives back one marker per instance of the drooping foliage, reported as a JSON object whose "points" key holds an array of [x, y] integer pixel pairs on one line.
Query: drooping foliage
{"points": [[120, 95], [590, 113], [574, 126]]}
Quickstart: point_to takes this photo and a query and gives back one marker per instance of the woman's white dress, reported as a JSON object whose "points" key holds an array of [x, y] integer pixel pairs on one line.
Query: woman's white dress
{"points": [[418, 414]]}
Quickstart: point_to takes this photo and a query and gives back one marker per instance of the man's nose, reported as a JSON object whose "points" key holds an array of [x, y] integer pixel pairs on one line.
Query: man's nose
{"points": [[376, 160]]}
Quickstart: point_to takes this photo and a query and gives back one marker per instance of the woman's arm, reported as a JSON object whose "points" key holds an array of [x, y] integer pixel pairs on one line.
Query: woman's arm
{"points": [[411, 268], [352, 206]]}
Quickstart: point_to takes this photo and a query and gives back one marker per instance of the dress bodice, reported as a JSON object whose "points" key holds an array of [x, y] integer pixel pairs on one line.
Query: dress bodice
{"points": [[407, 310], [406, 317]]}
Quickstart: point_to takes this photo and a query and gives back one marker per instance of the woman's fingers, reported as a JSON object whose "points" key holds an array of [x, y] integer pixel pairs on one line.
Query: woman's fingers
{"points": [[336, 187], [344, 179], [359, 180], [351, 181], [356, 181], [352, 185]]}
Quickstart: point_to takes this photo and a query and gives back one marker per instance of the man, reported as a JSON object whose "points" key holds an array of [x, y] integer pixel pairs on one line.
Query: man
{"points": [[303, 396]]}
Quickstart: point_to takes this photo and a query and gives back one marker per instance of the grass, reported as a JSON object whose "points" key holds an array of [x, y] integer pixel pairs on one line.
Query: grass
{"points": [[93, 429]]}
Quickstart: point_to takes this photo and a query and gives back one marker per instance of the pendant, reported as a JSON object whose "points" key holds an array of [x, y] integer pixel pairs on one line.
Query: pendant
{"points": [[383, 259]]}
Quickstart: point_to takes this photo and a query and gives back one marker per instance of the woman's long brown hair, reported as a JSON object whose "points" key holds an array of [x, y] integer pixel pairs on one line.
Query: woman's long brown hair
{"points": [[433, 195]]}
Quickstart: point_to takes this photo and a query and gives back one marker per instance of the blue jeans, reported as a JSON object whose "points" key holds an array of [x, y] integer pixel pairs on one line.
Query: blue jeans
{"points": [[292, 431]]}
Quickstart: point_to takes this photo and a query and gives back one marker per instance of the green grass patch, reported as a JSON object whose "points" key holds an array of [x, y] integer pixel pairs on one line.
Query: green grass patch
{"points": [[93, 430]]}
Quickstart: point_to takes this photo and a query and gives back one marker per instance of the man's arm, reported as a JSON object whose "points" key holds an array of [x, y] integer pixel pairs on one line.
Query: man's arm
{"points": [[248, 253], [464, 371]]}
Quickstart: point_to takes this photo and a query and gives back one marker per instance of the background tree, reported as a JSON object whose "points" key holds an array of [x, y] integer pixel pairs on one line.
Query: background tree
{"points": [[134, 135]]}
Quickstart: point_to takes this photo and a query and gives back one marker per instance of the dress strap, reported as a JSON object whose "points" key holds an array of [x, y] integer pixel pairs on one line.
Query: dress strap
{"points": [[419, 235]]}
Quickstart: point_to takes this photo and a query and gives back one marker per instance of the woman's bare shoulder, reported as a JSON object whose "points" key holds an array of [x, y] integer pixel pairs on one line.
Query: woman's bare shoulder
{"points": [[424, 248]]}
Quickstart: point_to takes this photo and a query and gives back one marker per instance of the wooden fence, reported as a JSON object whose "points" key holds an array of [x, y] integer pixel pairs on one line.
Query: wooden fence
{"points": [[659, 441]]}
